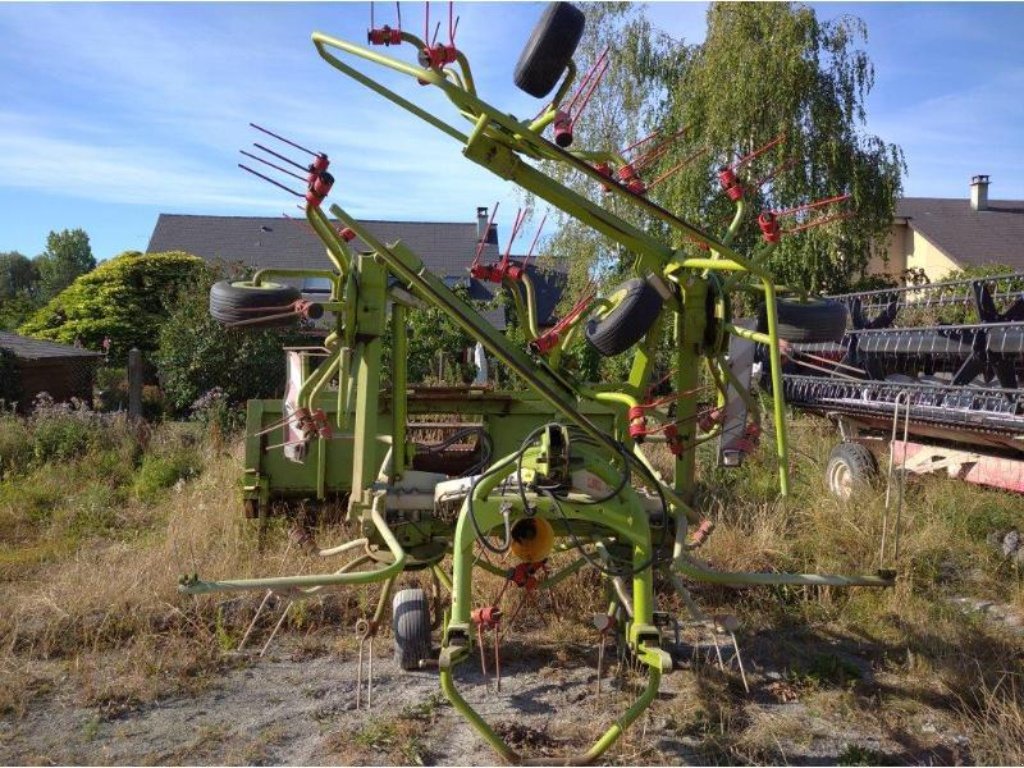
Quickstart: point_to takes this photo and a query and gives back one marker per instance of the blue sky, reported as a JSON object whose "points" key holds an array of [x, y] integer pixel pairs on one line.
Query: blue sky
{"points": [[113, 113]]}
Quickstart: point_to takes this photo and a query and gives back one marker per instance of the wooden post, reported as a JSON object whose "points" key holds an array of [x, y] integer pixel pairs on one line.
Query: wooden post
{"points": [[134, 383]]}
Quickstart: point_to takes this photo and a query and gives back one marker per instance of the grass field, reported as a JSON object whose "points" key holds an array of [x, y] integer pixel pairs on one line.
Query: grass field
{"points": [[98, 518]]}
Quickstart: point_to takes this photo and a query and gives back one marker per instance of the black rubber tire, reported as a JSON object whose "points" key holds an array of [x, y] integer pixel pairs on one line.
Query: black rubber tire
{"points": [[549, 49], [410, 625], [850, 466], [627, 323], [813, 321], [232, 302]]}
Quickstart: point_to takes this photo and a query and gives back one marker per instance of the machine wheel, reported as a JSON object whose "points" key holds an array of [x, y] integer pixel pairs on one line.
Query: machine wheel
{"points": [[850, 465], [812, 321], [549, 49], [411, 627], [628, 321], [231, 302]]}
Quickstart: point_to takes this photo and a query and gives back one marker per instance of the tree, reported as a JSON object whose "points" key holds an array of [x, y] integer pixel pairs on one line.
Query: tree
{"points": [[196, 354], [126, 299], [19, 283], [621, 111], [763, 71], [67, 255], [18, 275], [770, 70]]}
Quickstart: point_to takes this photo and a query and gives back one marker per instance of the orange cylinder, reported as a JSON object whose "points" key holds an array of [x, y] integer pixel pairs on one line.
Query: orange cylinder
{"points": [[533, 538]]}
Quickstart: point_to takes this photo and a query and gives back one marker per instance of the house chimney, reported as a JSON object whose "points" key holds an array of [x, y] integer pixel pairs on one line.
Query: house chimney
{"points": [[482, 233], [481, 223], [979, 192]]}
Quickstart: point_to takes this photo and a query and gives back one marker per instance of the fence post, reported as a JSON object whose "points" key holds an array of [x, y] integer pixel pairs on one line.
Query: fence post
{"points": [[134, 383]]}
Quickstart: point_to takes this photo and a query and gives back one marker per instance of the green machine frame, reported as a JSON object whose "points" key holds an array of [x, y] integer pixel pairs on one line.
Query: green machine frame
{"points": [[558, 425]]}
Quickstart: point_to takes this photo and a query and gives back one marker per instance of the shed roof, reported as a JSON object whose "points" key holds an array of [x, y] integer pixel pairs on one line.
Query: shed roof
{"points": [[26, 348], [969, 237]]}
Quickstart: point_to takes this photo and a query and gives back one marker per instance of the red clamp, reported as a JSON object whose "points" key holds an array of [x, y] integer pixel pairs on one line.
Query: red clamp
{"points": [[637, 423], [637, 187], [605, 170], [566, 119], [700, 535], [550, 338], [319, 187], [628, 175], [320, 164], [709, 419], [347, 234], [323, 427], [384, 36], [769, 225], [304, 423], [495, 273], [750, 440], [437, 56], [488, 617], [730, 183], [524, 575], [674, 441], [563, 129]]}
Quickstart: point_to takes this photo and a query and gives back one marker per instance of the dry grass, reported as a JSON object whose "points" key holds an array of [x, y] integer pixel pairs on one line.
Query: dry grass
{"points": [[103, 607], [90, 556]]}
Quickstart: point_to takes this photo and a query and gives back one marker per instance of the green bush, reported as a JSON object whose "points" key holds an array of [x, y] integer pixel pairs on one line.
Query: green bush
{"points": [[158, 472], [126, 299], [15, 445], [59, 436], [198, 355]]}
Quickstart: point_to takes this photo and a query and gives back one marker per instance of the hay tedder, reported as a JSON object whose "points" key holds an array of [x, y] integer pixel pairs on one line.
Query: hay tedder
{"points": [[558, 467]]}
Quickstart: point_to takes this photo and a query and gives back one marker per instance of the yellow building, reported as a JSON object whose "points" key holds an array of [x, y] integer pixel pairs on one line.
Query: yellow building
{"points": [[939, 235]]}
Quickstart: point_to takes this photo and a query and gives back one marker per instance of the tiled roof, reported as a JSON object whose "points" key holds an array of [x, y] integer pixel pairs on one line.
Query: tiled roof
{"points": [[446, 248], [27, 348], [968, 237]]}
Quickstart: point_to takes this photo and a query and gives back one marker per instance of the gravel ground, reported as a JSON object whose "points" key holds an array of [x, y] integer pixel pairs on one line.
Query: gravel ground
{"points": [[296, 706]]}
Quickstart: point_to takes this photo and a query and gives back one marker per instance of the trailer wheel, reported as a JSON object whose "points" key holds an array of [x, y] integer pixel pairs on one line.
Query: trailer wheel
{"points": [[813, 321], [850, 465], [231, 302], [411, 627], [549, 49], [633, 315]]}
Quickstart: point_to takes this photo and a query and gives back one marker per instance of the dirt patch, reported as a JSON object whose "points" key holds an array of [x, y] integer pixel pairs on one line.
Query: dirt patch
{"points": [[295, 707]]}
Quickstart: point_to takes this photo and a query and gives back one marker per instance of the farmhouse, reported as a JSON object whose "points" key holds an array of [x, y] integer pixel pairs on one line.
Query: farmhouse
{"points": [[446, 248], [939, 235], [31, 366]]}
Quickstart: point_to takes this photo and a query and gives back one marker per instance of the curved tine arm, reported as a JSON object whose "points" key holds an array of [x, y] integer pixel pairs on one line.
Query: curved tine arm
{"points": [[322, 41], [684, 564], [331, 551], [337, 250], [528, 142], [193, 586]]}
